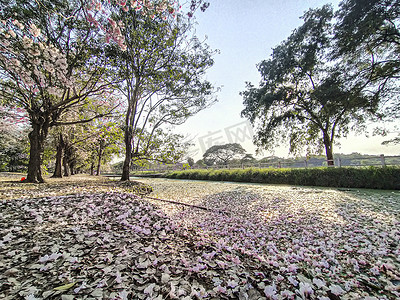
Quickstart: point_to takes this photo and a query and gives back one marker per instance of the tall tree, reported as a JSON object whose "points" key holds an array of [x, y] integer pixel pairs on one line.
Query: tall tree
{"points": [[368, 33], [222, 154], [49, 63], [368, 36], [161, 77], [101, 17], [304, 96]]}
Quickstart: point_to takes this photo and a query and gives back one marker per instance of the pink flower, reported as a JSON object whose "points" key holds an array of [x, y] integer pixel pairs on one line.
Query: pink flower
{"points": [[118, 278], [293, 281], [270, 291], [232, 284], [287, 294], [292, 268], [375, 270], [319, 283], [236, 260], [220, 289], [336, 290], [305, 289]]}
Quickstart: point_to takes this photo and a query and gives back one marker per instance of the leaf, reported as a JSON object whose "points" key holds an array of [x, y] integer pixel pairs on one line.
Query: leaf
{"points": [[65, 287]]}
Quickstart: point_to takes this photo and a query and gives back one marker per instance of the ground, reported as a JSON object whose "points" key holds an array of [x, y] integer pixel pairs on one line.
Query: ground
{"points": [[92, 238]]}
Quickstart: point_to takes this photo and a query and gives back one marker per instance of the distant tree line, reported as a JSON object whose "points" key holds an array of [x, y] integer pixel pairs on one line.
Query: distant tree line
{"points": [[221, 155]]}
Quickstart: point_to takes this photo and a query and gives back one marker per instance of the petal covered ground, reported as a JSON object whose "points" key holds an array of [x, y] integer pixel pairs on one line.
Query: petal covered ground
{"points": [[254, 242]]}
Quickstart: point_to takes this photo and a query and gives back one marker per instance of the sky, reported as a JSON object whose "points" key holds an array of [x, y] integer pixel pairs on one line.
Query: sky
{"points": [[245, 32]]}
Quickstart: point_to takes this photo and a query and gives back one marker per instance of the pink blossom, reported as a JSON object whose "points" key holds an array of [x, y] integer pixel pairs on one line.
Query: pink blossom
{"points": [[292, 268], [305, 289], [375, 270], [270, 291], [220, 289], [232, 284], [112, 23], [336, 290], [319, 283], [293, 281], [118, 278], [149, 289], [280, 277], [286, 294]]}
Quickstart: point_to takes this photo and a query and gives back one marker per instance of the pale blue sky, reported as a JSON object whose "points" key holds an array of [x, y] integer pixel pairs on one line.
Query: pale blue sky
{"points": [[245, 33]]}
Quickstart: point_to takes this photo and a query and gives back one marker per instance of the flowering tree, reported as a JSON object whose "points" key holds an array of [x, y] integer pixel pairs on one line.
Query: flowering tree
{"points": [[161, 77], [48, 65], [98, 13]]}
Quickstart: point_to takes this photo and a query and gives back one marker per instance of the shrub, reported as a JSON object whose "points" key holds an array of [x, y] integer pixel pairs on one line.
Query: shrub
{"points": [[348, 177]]}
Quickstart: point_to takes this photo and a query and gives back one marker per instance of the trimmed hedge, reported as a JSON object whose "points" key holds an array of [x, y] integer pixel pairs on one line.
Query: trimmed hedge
{"points": [[370, 177]]}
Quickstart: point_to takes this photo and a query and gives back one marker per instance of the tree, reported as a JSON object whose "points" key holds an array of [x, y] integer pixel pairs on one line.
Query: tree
{"points": [[49, 64], [190, 161], [200, 163], [248, 158], [160, 74], [368, 35], [160, 146], [86, 143], [304, 95], [222, 154], [98, 14]]}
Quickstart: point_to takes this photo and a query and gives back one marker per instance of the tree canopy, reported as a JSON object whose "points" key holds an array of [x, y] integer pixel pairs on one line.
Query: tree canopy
{"points": [[305, 95], [161, 76], [368, 40], [222, 154], [49, 64]]}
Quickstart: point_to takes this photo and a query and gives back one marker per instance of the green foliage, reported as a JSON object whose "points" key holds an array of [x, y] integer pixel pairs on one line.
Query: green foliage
{"points": [[190, 161], [161, 76], [14, 147], [368, 37], [223, 154], [370, 177], [159, 146], [305, 96]]}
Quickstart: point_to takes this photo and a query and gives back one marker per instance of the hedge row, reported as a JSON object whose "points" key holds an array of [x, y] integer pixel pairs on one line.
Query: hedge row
{"points": [[370, 177]]}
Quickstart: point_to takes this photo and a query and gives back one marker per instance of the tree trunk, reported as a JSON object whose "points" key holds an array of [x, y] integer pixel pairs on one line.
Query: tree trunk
{"points": [[99, 158], [328, 150], [92, 169], [129, 129], [128, 155], [71, 165], [37, 138], [65, 163], [59, 156]]}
